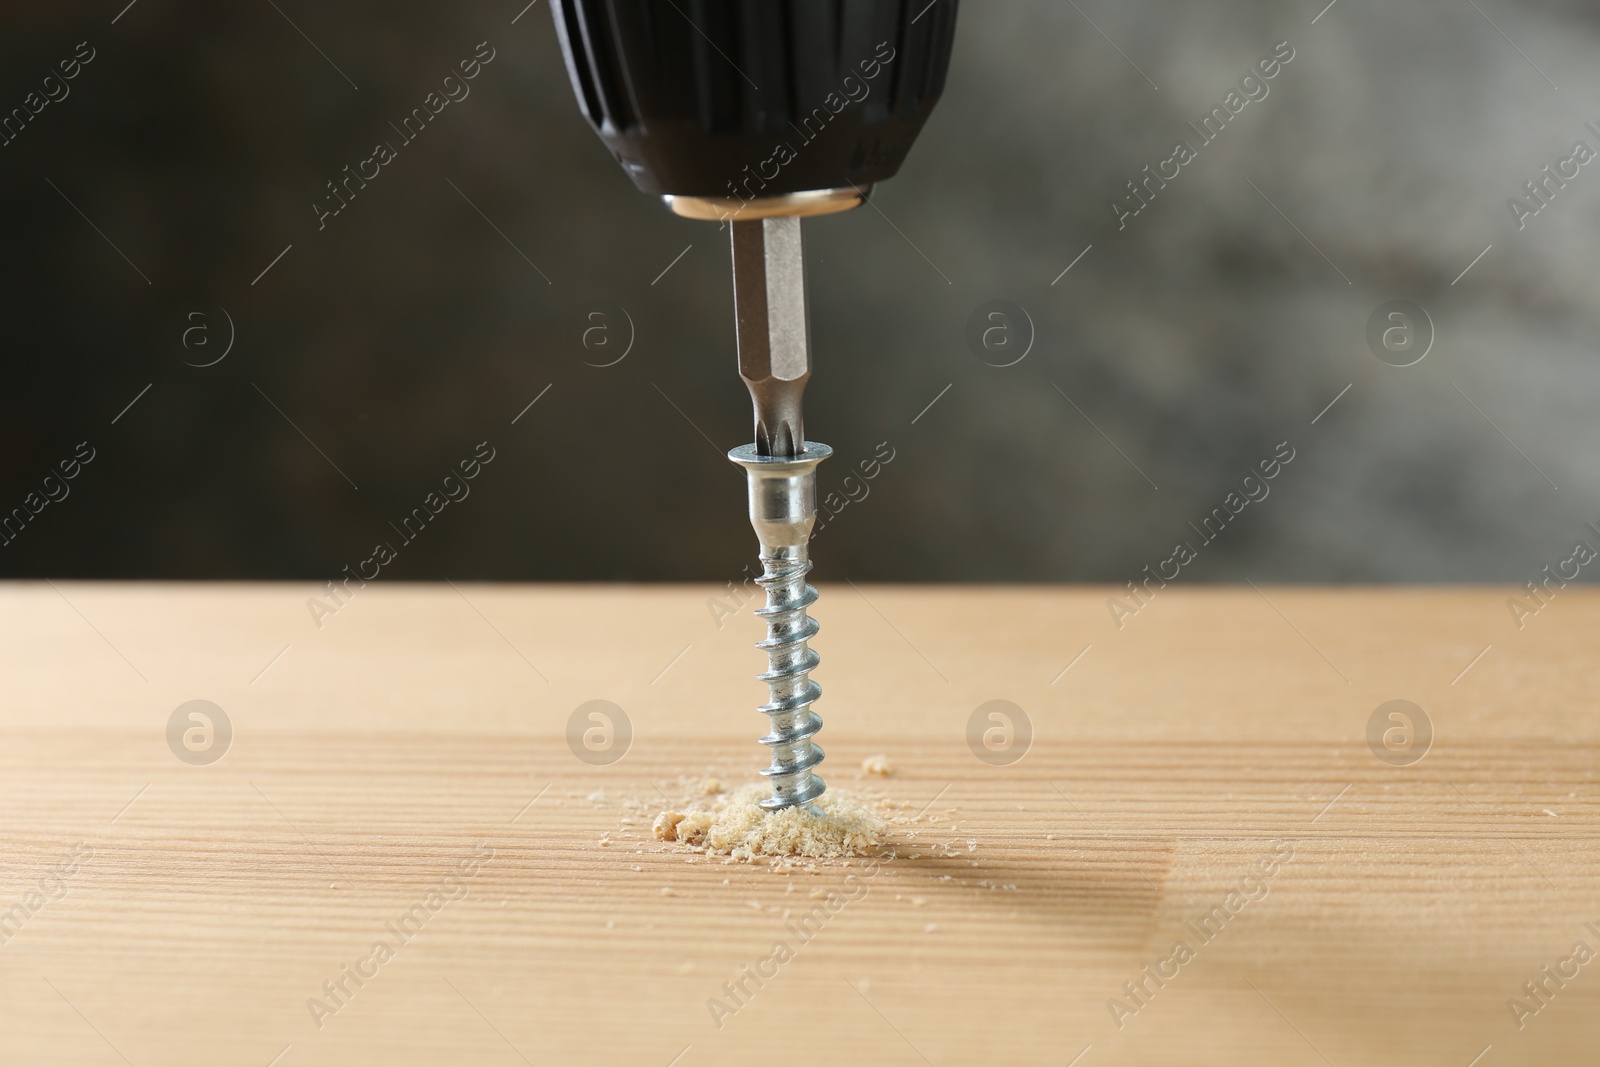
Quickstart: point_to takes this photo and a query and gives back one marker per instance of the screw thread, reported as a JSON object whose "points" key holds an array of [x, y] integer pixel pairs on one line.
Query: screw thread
{"points": [[791, 692]]}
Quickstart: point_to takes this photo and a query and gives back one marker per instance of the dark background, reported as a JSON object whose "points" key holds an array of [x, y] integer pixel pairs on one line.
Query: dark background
{"points": [[1219, 323]]}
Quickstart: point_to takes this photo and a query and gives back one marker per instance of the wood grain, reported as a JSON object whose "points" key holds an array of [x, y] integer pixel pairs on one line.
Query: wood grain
{"points": [[419, 723]]}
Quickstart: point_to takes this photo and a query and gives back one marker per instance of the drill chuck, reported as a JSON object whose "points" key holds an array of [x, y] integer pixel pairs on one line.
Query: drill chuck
{"points": [[799, 105]]}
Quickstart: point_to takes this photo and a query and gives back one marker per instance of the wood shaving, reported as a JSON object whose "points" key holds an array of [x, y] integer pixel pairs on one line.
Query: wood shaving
{"points": [[878, 765], [735, 825], [688, 827]]}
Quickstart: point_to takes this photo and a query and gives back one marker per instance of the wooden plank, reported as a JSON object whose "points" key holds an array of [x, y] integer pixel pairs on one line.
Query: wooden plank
{"points": [[421, 727]]}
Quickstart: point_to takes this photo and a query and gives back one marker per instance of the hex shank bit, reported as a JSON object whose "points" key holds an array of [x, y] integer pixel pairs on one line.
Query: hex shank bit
{"points": [[769, 297]]}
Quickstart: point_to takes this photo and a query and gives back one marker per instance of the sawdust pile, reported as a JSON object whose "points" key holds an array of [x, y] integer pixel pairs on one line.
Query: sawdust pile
{"points": [[735, 825]]}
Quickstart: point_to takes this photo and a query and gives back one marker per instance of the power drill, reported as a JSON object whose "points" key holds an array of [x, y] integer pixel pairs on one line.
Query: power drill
{"points": [[756, 114]]}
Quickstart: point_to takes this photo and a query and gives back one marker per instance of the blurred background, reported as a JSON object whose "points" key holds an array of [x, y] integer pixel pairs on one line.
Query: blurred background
{"points": [[267, 395]]}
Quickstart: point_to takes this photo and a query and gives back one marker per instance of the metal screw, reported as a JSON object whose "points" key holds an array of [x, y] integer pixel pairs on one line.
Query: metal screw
{"points": [[783, 509]]}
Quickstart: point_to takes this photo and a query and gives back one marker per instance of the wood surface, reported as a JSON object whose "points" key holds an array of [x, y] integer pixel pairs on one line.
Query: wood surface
{"points": [[206, 905]]}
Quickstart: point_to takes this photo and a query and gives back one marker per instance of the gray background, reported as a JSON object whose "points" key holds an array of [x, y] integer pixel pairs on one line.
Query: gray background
{"points": [[1193, 341]]}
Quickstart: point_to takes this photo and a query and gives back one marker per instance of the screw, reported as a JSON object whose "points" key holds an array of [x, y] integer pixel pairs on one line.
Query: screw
{"points": [[783, 509]]}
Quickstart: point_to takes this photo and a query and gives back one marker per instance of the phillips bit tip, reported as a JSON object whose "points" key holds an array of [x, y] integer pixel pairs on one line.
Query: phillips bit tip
{"points": [[769, 291]]}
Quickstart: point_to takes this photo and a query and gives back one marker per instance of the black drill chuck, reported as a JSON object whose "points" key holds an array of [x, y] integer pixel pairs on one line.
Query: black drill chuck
{"points": [[743, 100]]}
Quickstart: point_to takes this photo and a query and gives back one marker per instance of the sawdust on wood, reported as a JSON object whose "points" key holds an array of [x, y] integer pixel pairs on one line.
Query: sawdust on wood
{"points": [[880, 765], [735, 825]]}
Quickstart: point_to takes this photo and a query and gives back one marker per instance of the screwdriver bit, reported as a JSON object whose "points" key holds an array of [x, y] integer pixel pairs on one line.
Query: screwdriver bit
{"points": [[769, 296]]}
